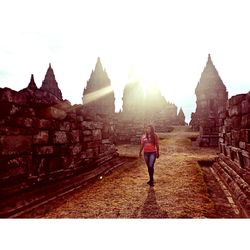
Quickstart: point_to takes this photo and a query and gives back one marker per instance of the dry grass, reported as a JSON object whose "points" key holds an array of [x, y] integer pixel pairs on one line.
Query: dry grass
{"points": [[179, 192]]}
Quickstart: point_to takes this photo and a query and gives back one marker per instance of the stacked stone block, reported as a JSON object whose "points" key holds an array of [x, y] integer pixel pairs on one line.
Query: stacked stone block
{"points": [[43, 138], [211, 95], [233, 163], [130, 131], [234, 141]]}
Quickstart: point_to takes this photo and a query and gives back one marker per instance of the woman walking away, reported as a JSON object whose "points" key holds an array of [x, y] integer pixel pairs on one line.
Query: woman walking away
{"points": [[150, 147]]}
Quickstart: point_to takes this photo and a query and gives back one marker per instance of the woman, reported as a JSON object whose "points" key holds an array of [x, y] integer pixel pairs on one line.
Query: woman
{"points": [[150, 146]]}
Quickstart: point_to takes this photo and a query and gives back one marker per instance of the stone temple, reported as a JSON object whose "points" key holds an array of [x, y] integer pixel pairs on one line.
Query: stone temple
{"points": [[181, 117], [50, 84], [98, 95], [133, 100], [211, 96], [148, 106]]}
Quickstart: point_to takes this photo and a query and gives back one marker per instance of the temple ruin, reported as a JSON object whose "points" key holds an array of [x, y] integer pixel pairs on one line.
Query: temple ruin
{"points": [[181, 117], [44, 139], [211, 95], [141, 108], [233, 162], [148, 106], [50, 84], [98, 95]]}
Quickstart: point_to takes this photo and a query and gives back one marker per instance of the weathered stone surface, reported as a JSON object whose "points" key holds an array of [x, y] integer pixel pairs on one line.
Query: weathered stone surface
{"points": [[245, 107], [235, 110], [11, 96], [90, 153], [41, 138], [92, 144], [52, 113], [7, 130], [87, 132], [242, 145], [24, 122], [76, 149], [79, 118], [91, 125], [97, 134], [39, 166], [106, 141], [42, 124], [65, 126], [236, 122], [46, 150], [27, 112], [60, 137], [248, 148], [18, 144], [88, 138], [245, 135], [74, 136], [64, 105], [13, 167], [8, 109], [234, 100], [55, 164], [245, 121], [87, 125]]}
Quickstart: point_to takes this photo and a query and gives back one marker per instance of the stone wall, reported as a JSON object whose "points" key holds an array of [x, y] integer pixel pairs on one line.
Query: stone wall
{"points": [[233, 163], [130, 131], [234, 136], [209, 131], [43, 138]]}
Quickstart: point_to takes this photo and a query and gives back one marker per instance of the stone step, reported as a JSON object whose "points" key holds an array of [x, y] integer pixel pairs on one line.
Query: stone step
{"points": [[236, 185], [224, 204]]}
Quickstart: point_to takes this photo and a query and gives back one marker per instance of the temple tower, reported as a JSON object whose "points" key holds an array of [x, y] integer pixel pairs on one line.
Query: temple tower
{"points": [[50, 84], [148, 106], [211, 95], [133, 100], [98, 95], [181, 117], [32, 84]]}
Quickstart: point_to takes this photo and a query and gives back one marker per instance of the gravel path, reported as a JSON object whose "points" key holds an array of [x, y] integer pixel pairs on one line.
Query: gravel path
{"points": [[179, 191]]}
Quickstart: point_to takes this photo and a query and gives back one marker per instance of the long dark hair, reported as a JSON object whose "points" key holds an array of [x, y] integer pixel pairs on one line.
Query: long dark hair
{"points": [[152, 133]]}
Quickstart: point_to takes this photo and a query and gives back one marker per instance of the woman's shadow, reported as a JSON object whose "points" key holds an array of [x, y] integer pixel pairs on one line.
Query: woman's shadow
{"points": [[150, 208]]}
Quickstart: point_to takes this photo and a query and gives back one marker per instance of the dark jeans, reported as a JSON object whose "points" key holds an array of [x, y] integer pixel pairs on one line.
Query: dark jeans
{"points": [[150, 158]]}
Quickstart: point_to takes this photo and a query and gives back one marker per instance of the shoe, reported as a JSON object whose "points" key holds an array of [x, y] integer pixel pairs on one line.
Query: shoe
{"points": [[150, 183]]}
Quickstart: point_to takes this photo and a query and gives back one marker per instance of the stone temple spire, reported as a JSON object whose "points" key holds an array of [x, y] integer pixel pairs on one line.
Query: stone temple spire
{"points": [[32, 84], [209, 78], [211, 96], [50, 84], [98, 66], [98, 94], [181, 117]]}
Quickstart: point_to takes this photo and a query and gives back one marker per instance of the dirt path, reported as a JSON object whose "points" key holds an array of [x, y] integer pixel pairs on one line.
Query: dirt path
{"points": [[179, 191]]}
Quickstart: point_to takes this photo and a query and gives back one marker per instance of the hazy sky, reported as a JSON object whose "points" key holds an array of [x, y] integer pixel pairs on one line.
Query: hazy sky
{"points": [[167, 42]]}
